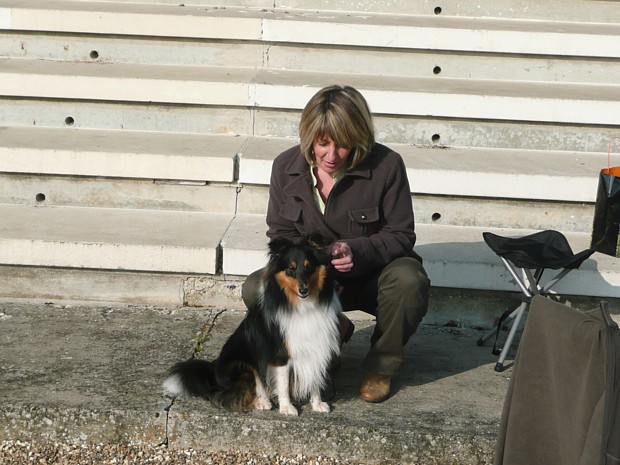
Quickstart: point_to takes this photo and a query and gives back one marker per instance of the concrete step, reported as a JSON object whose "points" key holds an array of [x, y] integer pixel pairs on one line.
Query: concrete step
{"points": [[90, 48], [131, 116], [111, 239], [201, 243], [267, 122], [131, 193], [481, 34], [447, 171], [193, 196], [124, 154], [484, 212], [458, 171], [408, 96], [567, 10], [454, 256]]}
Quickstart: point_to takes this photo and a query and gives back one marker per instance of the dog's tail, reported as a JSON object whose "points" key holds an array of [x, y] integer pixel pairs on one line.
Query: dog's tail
{"points": [[192, 377], [197, 378]]}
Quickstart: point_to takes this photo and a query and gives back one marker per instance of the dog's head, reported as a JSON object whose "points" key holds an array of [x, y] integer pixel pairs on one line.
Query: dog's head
{"points": [[299, 267]]}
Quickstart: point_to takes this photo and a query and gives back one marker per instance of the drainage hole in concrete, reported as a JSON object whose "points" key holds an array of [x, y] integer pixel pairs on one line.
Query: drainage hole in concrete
{"points": [[69, 121], [436, 216], [40, 197], [437, 70], [435, 138], [437, 10], [94, 54]]}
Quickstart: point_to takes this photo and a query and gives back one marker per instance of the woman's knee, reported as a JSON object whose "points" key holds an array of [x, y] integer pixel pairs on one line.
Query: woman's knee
{"points": [[250, 288], [406, 275]]}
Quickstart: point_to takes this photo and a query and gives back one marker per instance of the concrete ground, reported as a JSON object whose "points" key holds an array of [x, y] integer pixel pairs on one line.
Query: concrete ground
{"points": [[76, 374], [89, 377]]}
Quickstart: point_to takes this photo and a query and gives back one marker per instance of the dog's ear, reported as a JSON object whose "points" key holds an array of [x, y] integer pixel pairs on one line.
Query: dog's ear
{"points": [[320, 246], [317, 241], [277, 246]]}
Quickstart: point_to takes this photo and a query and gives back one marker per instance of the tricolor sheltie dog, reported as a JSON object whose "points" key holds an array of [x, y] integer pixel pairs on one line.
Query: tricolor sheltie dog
{"points": [[283, 348]]}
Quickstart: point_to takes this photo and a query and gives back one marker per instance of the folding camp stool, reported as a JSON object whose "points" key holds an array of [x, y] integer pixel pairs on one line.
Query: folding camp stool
{"points": [[531, 254]]}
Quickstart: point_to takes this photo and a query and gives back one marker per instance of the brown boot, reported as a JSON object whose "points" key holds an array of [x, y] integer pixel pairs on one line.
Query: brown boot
{"points": [[375, 387]]}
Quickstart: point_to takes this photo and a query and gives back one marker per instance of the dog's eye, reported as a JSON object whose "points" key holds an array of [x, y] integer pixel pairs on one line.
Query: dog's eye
{"points": [[291, 269]]}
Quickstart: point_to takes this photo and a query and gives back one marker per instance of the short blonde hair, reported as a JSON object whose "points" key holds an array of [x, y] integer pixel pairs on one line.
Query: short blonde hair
{"points": [[341, 113]]}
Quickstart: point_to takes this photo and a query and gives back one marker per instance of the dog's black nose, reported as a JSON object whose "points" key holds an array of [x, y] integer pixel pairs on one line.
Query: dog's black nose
{"points": [[303, 291]]}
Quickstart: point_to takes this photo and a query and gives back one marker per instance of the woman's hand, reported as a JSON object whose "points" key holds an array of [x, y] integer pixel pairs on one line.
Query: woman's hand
{"points": [[342, 257]]}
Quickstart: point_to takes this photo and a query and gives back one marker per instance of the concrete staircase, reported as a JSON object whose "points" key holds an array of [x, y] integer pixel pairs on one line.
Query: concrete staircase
{"points": [[136, 138]]}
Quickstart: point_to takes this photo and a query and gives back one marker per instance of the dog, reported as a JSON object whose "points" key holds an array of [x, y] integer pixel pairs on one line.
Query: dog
{"points": [[283, 347]]}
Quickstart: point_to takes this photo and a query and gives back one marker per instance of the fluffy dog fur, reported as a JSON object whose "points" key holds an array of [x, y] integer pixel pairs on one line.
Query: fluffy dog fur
{"points": [[283, 347]]}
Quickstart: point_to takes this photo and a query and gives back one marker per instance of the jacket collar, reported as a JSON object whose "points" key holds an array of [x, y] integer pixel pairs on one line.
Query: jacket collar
{"points": [[299, 168]]}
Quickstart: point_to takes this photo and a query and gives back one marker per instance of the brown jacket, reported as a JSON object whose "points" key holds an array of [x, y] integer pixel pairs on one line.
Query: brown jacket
{"points": [[370, 207]]}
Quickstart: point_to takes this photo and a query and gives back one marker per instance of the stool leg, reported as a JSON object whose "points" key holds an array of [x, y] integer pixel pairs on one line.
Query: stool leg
{"points": [[499, 366], [489, 334]]}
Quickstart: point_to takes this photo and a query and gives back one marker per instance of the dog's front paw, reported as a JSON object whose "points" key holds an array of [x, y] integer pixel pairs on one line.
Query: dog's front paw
{"points": [[320, 406], [288, 409]]}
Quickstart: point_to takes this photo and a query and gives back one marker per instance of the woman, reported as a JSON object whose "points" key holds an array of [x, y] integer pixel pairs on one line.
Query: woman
{"points": [[354, 191]]}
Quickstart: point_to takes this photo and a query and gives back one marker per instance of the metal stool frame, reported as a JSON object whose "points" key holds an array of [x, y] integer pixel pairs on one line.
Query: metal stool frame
{"points": [[532, 254], [529, 290]]}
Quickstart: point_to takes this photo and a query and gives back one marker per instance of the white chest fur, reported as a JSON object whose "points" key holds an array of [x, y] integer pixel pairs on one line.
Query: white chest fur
{"points": [[312, 339]]}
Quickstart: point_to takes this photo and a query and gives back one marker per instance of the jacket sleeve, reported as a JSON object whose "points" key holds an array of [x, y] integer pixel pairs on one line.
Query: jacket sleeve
{"points": [[280, 224], [396, 235]]}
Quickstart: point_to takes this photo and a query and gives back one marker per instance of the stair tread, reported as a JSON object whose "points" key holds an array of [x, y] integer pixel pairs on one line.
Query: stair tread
{"points": [[115, 153]]}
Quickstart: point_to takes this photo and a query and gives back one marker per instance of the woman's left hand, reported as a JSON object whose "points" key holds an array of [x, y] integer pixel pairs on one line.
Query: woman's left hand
{"points": [[342, 257]]}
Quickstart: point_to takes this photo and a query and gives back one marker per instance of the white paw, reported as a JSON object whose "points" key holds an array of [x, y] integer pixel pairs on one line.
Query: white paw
{"points": [[262, 404], [321, 407], [288, 409]]}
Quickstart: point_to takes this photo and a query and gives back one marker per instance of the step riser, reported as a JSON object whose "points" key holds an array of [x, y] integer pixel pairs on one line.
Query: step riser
{"points": [[60, 284], [497, 213], [220, 198], [276, 123], [491, 213], [117, 193], [131, 117], [569, 10], [409, 62], [100, 49], [464, 307]]}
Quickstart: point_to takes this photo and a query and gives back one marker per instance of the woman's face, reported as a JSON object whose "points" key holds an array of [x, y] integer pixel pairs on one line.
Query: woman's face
{"points": [[328, 157]]}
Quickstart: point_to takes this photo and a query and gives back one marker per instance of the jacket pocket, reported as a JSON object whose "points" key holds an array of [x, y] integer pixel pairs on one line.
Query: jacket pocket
{"points": [[364, 221]]}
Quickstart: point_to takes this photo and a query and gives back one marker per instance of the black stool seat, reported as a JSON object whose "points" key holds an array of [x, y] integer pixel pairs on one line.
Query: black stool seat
{"points": [[544, 249]]}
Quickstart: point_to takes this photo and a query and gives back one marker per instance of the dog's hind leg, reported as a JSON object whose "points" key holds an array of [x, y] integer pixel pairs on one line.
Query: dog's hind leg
{"points": [[281, 377], [262, 401]]}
